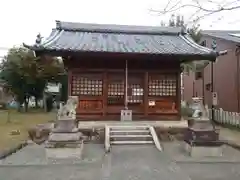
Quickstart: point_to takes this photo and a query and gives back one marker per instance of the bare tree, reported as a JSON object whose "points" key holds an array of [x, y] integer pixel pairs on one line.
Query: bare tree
{"points": [[202, 8]]}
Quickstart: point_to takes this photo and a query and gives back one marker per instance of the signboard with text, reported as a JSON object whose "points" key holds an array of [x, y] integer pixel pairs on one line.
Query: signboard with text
{"points": [[214, 98]]}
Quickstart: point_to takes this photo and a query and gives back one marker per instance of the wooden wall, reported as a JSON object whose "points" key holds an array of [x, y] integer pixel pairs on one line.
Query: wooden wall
{"points": [[100, 85]]}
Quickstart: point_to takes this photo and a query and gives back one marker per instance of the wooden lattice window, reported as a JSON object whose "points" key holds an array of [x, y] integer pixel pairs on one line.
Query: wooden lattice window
{"points": [[116, 91], [135, 89], [87, 84], [135, 93], [162, 85]]}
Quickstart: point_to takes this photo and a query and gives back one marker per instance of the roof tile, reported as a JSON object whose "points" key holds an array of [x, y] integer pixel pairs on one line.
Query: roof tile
{"points": [[122, 39]]}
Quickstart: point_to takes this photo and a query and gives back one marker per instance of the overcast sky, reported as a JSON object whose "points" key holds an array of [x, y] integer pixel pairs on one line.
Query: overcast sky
{"points": [[21, 20]]}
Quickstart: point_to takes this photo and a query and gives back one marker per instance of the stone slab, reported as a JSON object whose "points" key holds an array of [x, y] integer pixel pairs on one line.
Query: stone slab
{"points": [[63, 144], [58, 137], [204, 143], [58, 130], [64, 152], [203, 151]]}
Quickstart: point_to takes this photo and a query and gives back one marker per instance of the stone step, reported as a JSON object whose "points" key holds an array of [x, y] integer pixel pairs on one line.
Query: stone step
{"points": [[130, 136], [131, 142], [129, 132], [128, 127]]}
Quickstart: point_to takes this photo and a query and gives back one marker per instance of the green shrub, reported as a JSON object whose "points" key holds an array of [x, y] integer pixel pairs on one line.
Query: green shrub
{"points": [[186, 111]]}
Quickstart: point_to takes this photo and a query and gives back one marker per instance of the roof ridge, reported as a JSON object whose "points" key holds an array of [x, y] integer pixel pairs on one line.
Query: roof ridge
{"points": [[114, 28]]}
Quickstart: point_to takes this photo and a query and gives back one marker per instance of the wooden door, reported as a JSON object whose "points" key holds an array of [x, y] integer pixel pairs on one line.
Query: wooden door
{"points": [[136, 94], [162, 93], [115, 94]]}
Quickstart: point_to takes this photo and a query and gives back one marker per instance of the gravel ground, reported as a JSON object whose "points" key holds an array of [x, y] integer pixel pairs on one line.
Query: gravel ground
{"points": [[124, 162]]}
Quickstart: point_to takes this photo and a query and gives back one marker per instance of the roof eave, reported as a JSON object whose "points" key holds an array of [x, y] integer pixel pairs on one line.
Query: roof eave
{"points": [[182, 57], [34, 47]]}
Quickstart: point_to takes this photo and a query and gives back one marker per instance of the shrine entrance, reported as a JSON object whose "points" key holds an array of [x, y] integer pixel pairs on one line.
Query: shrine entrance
{"points": [[135, 94], [116, 93]]}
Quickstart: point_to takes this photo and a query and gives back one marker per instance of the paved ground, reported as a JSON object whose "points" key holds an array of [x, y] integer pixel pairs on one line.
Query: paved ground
{"points": [[123, 163], [208, 168], [233, 136], [176, 152]]}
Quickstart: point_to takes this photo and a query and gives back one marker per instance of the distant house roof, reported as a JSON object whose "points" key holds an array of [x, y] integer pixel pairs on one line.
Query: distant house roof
{"points": [[79, 37], [233, 36]]}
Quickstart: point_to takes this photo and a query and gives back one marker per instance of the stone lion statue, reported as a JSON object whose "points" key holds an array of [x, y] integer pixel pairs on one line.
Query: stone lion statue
{"points": [[202, 112], [68, 111]]}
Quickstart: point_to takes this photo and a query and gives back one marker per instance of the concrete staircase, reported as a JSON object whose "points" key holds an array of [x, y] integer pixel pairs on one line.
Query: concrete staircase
{"points": [[123, 135]]}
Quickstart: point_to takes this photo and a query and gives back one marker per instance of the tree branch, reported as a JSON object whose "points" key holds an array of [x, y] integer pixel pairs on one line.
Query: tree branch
{"points": [[198, 6]]}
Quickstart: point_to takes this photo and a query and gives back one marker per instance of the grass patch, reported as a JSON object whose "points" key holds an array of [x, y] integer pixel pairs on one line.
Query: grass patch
{"points": [[12, 120]]}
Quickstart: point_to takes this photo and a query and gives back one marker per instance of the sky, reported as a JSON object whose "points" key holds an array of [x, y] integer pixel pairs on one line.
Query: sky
{"points": [[22, 20]]}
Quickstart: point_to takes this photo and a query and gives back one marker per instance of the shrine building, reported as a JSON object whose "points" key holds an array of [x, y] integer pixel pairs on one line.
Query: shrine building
{"points": [[116, 67]]}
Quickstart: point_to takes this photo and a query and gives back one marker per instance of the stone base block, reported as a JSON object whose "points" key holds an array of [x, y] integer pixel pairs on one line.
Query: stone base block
{"points": [[203, 151], [61, 153], [64, 136], [58, 130], [63, 144]]}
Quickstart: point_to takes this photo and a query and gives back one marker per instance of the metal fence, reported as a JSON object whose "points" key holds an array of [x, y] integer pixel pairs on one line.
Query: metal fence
{"points": [[225, 117]]}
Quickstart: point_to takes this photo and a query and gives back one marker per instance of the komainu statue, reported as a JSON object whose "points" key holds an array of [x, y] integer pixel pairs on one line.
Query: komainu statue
{"points": [[68, 111]]}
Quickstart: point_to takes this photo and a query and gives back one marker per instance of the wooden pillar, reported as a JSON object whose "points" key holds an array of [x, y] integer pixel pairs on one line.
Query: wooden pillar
{"points": [[178, 94], [146, 94], [70, 74], [105, 92]]}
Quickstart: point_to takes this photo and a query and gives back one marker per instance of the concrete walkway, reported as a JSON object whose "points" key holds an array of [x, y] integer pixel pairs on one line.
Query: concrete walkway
{"points": [[137, 162], [123, 163]]}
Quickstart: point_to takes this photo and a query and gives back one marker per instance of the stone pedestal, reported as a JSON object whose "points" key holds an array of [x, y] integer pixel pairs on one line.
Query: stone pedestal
{"points": [[64, 141], [61, 153], [202, 139], [126, 115], [65, 134], [204, 150]]}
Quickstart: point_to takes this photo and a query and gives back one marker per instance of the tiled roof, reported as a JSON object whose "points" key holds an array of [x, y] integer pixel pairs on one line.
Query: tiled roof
{"points": [[222, 34], [69, 36]]}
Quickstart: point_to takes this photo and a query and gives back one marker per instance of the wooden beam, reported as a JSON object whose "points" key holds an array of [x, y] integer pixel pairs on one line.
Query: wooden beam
{"points": [[76, 70]]}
